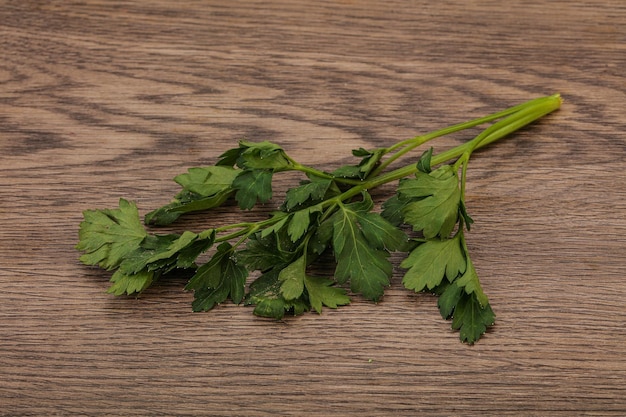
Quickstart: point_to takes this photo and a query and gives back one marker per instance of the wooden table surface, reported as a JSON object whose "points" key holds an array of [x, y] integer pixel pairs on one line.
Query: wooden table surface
{"points": [[102, 99]]}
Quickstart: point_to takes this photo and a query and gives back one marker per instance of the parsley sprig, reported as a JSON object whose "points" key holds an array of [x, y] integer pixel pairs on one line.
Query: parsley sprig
{"points": [[330, 214]]}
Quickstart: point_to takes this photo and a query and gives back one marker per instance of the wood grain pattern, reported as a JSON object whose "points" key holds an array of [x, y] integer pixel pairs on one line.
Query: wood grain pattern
{"points": [[103, 99]]}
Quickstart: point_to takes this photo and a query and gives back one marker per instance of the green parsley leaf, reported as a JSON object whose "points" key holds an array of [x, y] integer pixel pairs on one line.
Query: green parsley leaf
{"points": [[471, 318], [130, 283], [262, 155], [449, 296], [300, 221], [298, 224], [256, 155], [423, 165], [209, 275], [369, 161], [230, 157], [295, 224], [471, 284], [380, 233], [435, 199], [321, 292], [362, 262], [185, 202], [263, 253], [157, 248], [186, 257], [393, 209], [367, 269], [283, 219], [163, 253], [265, 294], [467, 312], [292, 277], [203, 188], [108, 236], [348, 171], [309, 193], [217, 279], [117, 239], [431, 261], [252, 186], [207, 181], [322, 237]]}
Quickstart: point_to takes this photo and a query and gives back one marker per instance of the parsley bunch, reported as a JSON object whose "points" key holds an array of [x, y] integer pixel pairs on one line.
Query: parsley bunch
{"points": [[328, 213]]}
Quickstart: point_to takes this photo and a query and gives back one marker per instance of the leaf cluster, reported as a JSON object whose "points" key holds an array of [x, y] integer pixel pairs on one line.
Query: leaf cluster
{"points": [[271, 264], [115, 239], [315, 218], [244, 172], [432, 204]]}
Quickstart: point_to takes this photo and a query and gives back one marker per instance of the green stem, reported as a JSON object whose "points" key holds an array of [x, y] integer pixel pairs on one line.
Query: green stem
{"points": [[412, 143], [246, 229], [296, 166], [525, 114], [516, 118], [516, 121]]}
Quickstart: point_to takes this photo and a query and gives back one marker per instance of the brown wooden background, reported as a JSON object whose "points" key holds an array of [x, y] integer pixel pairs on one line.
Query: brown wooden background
{"points": [[102, 99]]}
